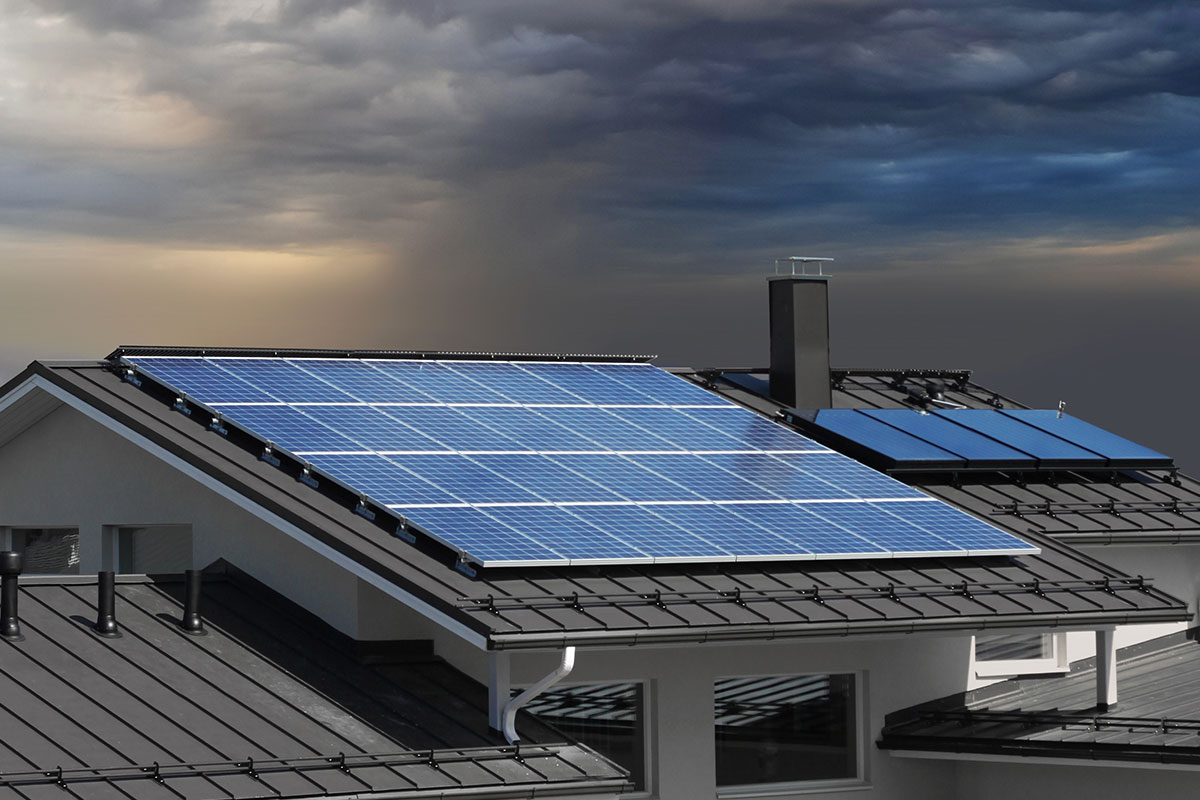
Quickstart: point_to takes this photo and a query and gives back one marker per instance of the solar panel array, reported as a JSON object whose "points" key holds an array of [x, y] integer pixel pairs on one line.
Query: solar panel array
{"points": [[532, 462], [982, 438]]}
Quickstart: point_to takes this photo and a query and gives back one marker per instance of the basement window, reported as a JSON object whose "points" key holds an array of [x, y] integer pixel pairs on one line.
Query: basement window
{"points": [[45, 551], [788, 733], [607, 717], [999, 655]]}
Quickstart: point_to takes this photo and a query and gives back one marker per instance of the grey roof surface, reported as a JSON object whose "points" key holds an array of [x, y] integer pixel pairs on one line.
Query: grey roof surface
{"points": [[264, 705], [1157, 718], [553, 606]]}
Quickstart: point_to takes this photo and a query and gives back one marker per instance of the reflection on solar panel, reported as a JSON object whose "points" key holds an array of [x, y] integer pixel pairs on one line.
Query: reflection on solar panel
{"points": [[974, 438], [530, 462]]}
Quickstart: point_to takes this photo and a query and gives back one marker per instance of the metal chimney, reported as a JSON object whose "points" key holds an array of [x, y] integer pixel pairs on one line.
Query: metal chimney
{"points": [[10, 571], [799, 296]]}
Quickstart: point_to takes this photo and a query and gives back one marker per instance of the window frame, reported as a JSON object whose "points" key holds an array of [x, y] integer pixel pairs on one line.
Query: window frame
{"points": [[861, 739], [649, 766], [1057, 662]]}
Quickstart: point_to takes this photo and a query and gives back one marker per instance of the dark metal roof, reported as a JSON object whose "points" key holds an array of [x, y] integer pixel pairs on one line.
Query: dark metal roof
{"points": [[551, 606], [1157, 718], [271, 702]]}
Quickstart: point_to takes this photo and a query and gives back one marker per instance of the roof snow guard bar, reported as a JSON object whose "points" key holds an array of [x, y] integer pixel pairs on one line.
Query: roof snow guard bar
{"points": [[126, 351]]}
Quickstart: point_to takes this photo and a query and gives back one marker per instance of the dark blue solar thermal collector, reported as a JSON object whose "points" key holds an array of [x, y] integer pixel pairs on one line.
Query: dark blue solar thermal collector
{"points": [[547, 462]]}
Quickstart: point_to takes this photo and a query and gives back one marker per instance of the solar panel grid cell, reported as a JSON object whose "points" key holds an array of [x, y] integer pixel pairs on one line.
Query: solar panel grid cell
{"points": [[956, 527], [483, 537], [588, 384], [680, 429], [702, 477], [661, 386], [651, 534], [372, 428], [889, 533], [600, 425], [849, 476], [624, 477], [814, 534], [468, 480], [436, 381], [291, 429], [530, 428], [361, 380], [284, 381], [546, 478], [452, 428], [736, 535], [511, 382], [566, 533], [382, 480], [752, 430], [777, 476], [204, 381]]}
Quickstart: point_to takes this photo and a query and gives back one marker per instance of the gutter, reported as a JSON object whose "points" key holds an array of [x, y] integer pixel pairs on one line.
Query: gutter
{"points": [[512, 706], [1020, 749]]}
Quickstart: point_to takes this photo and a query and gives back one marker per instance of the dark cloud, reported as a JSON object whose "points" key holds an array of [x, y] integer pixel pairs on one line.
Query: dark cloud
{"points": [[533, 173]]}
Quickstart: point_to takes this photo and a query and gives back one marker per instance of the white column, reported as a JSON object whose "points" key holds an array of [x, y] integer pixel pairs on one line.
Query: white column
{"points": [[1106, 670], [499, 687]]}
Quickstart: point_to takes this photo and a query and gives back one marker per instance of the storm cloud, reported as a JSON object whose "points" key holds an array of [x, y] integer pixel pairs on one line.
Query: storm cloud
{"points": [[1007, 187]]}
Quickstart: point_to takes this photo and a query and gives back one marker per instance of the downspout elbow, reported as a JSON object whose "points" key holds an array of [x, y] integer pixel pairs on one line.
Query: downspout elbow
{"points": [[512, 706]]}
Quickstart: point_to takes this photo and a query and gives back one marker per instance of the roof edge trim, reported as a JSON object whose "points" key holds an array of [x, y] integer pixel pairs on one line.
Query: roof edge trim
{"points": [[125, 351]]}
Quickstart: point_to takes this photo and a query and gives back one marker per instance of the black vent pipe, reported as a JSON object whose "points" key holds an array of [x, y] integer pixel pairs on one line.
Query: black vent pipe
{"points": [[192, 622], [10, 571], [106, 605]]}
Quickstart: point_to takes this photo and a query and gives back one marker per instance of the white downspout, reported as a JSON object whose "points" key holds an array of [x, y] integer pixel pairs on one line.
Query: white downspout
{"points": [[512, 706]]}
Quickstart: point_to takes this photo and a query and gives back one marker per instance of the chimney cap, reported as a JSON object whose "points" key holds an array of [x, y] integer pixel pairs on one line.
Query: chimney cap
{"points": [[787, 265], [10, 563]]}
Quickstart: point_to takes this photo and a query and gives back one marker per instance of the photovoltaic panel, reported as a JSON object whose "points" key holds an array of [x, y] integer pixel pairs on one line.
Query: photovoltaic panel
{"points": [[573, 463], [360, 380], [371, 428], [943, 433], [434, 380], [600, 425], [285, 382], [861, 428], [677, 427], [588, 384], [529, 428], [467, 480], [513, 383], [1116, 449], [546, 478], [755, 432], [624, 477], [452, 428], [778, 477], [1037, 443], [891, 533], [702, 477], [204, 381], [379, 479], [484, 537], [650, 533], [566, 533], [290, 429]]}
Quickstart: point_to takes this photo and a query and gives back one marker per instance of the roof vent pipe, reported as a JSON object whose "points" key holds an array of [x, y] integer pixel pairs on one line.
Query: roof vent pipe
{"points": [[192, 622], [799, 307], [510, 709], [10, 571], [106, 605]]}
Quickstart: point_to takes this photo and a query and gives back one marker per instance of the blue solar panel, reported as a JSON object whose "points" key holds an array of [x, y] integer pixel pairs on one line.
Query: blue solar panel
{"points": [[289, 384], [817, 535], [703, 477], [601, 426], [512, 383], [529, 428], [484, 538], [380, 480], [661, 386], [566, 533], [588, 384], [679, 428], [752, 430], [849, 475], [778, 477], [650, 533], [437, 381], [957, 527], [452, 428], [1109, 445], [621, 475], [204, 381], [1017, 434], [861, 428], [290, 429], [519, 468], [361, 380], [547, 479], [945, 434], [466, 479], [734, 534], [371, 428], [890, 533]]}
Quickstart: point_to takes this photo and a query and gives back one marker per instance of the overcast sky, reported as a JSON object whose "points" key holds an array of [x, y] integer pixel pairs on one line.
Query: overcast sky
{"points": [[1009, 188]]}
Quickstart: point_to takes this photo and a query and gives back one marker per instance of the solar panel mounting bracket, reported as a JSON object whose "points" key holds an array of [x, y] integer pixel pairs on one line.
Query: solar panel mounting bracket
{"points": [[465, 568], [362, 510], [268, 455], [306, 477], [181, 405]]}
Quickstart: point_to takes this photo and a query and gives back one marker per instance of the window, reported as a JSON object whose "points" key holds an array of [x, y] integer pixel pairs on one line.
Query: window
{"points": [[46, 551], [787, 729], [1019, 654], [608, 717], [154, 549]]}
